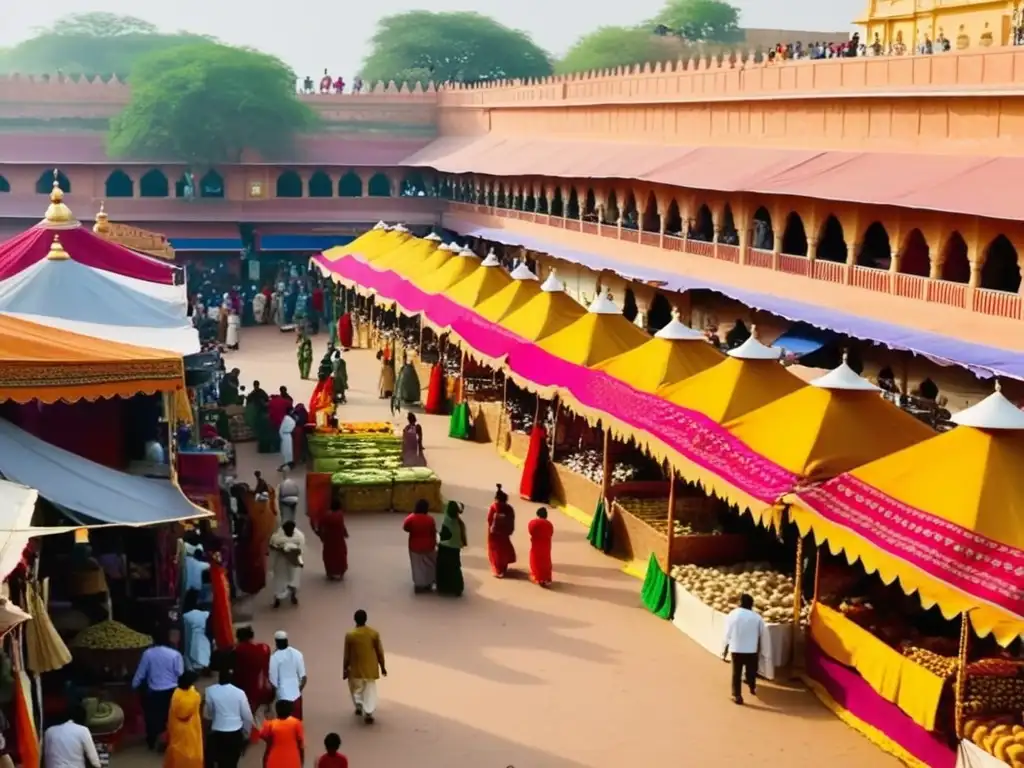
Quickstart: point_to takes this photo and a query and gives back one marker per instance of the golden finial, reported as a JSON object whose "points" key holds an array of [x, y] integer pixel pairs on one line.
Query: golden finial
{"points": [[102, 225], [57, 213], [846, 357], [57, 252], [999, 386]]}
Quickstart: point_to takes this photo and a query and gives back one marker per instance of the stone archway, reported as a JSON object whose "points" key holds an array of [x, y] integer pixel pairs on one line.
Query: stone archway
{"points": [[956, 266], [350, 185], [794, 236], [832, 242], [119, 184], [289, 184], [1001, 270], [320, 185], [154, 183], [915, 256], [876, 248], [379, 186]]}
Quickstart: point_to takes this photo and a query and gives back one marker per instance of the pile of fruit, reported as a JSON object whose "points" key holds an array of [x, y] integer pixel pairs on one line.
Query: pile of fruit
{"points": [[942, 666], [384, 476], [366, 428], [111, 636], [1000, 737], [590, 464], [993, 694], [721, 586], [520, 416], [654, 512]]}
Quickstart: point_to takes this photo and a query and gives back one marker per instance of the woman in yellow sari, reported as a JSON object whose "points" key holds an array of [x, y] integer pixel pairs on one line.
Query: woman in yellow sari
{"points": [[185, 726]]}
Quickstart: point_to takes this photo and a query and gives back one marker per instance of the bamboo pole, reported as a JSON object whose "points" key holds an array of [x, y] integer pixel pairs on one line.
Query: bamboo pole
{"points": [[606, 467], [671, 516], [817, 575], [961, 674], [554, 430], [798, 592], [462, 378]]}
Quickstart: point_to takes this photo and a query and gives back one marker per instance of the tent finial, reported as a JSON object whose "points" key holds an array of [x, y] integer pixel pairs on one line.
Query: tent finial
{"points": [[102, 225], [57, 252], [753, 331], [846, 356], [999, 386], [57, 212]]}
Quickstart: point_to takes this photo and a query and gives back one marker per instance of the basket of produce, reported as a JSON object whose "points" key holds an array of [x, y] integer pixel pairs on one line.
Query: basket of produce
{"points": [[110, 647], [720, 588], [364, 490], [413, 484]]}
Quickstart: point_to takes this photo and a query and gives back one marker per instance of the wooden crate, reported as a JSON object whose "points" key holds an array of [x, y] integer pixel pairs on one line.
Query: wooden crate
{"points": [[365, 498], [405, 496], [574, 489]]}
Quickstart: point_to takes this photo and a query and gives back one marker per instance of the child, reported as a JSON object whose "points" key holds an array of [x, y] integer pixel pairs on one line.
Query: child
{"points": [[332, 758]]}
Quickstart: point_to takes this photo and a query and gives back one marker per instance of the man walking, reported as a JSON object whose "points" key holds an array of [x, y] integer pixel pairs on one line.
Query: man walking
{"points": [[226, 707], [287, 547], [287, 673], [156, 678], [745, 635], [363, 666]]}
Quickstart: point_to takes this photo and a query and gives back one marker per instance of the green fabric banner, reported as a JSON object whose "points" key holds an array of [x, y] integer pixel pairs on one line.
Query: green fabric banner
{"points": [[600, 534], [657, 594], [458, 423]]}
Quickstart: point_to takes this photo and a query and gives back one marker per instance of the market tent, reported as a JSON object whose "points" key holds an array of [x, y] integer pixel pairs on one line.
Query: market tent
{"points": [[61, 293], [17, 506], [454, 270], [676, 352], [522, 287], [484, 282], [837, 423], [50, 365], [380, 238], [33, 246], [412, 251], [89, 489], [748, 378], [430, 265], [601, 333], [548, 312], [398, 235], [944, 516]]}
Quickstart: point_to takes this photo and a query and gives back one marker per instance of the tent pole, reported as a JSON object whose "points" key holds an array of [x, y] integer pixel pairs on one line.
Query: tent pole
{"points": [[961, 674], [671, 516]]}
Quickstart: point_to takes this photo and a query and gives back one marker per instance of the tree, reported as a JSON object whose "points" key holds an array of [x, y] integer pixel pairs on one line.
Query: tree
{"points": [[610, 47], [701, 21], [205, 104], [450, 47], [91, 44]]}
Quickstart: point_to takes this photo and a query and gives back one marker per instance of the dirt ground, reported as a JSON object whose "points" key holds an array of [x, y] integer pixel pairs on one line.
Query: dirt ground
{"points": [[512, 674]]}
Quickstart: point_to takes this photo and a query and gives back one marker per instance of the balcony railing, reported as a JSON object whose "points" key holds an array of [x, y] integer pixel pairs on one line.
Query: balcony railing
{"points": [[959, 295]]}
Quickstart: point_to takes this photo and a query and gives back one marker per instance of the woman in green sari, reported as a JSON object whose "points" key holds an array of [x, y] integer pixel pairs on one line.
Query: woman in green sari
{"points": [[449, 578], [305, 355]]}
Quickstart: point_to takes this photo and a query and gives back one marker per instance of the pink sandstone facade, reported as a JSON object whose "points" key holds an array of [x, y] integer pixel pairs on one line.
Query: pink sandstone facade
{"points": [[851, 243]]}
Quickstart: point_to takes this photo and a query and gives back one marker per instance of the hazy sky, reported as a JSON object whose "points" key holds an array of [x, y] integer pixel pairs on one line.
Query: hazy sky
{"points": [[313, 34]]}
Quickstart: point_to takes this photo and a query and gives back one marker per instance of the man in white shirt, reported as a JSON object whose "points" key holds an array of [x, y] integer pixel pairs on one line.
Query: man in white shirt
{"points": [[287, 673], [744, 630], [226, 707], [70, 744]]}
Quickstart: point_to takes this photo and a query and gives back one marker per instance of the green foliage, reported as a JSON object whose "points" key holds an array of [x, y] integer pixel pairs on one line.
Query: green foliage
{"points": [[711, 21], [206, 103], [610, 47], [90, 44], [459, 47]]}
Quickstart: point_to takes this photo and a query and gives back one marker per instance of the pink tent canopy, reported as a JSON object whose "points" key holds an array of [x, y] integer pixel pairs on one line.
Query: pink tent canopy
{"points": [[32, 246]]}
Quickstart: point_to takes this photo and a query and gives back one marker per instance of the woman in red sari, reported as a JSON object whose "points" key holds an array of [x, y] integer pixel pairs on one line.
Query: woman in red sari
{"points": [[334, 535], [501, 524], [541, 531], [345, 331], [252, 668]]}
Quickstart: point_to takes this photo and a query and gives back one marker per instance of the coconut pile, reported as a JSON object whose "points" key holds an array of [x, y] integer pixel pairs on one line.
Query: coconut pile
{"points": [[721, 586], [590, 464]]}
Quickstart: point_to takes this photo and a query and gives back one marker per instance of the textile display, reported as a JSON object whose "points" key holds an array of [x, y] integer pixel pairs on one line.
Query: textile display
{"points": [[657, 594], [893, 676], [600, 533], [44, 648], [535, 483], [437, 397], [459, 426], [82, 486], [93, 430]]}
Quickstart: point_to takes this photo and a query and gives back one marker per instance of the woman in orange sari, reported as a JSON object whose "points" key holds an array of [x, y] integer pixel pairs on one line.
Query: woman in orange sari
{"points": [[334, 535], [220, 616], [541, 531], [501, 524], [285, 738], [185, 726]]}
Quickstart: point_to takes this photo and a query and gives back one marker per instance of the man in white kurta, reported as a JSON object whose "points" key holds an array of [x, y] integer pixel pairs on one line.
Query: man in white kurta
{"points": [[287, 673], [287, 547], [284, 432]]}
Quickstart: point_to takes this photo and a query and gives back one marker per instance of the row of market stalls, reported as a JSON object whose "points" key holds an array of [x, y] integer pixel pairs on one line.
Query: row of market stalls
{"points": [[94, 349], [887, 558]]}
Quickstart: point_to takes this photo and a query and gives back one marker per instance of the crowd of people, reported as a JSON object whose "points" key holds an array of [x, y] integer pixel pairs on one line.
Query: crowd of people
{"points": [[329, 84]]}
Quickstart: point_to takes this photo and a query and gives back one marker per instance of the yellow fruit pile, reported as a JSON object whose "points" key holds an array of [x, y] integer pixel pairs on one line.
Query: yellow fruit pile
{"points": [[1001, 739], [365, 428], [111, 636]]}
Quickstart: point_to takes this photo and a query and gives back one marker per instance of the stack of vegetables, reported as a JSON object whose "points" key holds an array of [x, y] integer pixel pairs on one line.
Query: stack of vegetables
{"points": [[654, 512], [720, 588]]}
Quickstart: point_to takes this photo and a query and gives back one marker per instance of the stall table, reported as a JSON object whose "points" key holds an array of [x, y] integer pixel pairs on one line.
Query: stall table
{"points": [[706, 627]]}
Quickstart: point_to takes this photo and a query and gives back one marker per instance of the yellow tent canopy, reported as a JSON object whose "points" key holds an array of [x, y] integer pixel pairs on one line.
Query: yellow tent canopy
{"points": [[385, 245], [747, 379], [518, 292], [601, 333], [381, 236], [548, 312], [456, 269], [675, 353], [413, 251], [484, 282], [431, 264], [969, 477]]}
